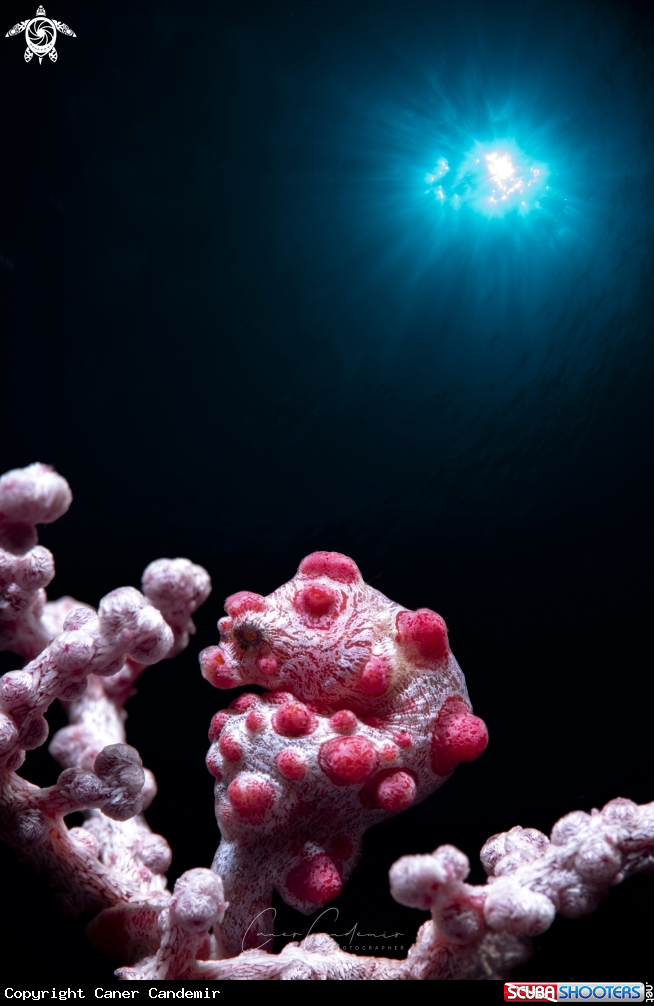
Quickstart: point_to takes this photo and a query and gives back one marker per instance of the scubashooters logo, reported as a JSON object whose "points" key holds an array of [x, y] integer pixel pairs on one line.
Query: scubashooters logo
{"points": [[41, 35], [573, 991]]}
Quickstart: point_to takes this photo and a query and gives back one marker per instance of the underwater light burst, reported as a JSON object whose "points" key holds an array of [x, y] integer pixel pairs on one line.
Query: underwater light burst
{"points": [[493, 179]]}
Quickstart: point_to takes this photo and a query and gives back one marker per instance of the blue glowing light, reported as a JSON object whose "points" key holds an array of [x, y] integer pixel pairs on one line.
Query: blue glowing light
{"points": [[493, 179]]}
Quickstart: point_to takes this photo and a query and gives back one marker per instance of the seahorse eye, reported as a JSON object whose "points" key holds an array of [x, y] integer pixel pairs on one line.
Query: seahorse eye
{"points": [[248, 636]]}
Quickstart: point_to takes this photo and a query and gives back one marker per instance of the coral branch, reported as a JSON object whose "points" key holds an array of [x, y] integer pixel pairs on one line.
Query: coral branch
{"points": [[476, 932], [114, 786], [198, 903], [125, 625], [32, 819], [29, 496], [128, 848], [531, 877], [177, 588], [114, 860]]}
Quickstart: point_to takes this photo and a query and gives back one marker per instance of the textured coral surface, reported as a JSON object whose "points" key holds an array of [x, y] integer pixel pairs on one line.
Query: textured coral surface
{"points": [[89, 661], [476, 932], [29, 496], [361, 711], [366, 713]]}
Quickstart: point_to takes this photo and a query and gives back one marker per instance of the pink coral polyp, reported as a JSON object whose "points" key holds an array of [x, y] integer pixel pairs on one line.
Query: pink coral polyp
{"points": [[458, 736], [348, 760], [251, 798], [294, 719], [317, 881]]}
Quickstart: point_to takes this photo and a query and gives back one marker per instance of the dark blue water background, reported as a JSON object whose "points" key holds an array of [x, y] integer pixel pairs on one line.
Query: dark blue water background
{"points": [[242, 323]]}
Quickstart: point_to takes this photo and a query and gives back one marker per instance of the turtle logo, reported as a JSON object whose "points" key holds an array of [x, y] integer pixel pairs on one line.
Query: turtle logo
{"points": [[40, 35]]}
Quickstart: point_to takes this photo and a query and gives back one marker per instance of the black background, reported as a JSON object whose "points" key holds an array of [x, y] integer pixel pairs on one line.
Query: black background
{"points": [[201, 334]]}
